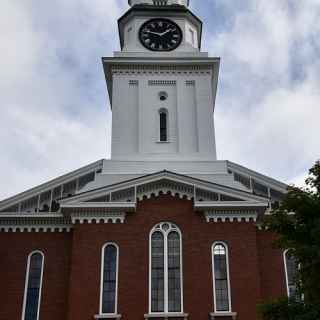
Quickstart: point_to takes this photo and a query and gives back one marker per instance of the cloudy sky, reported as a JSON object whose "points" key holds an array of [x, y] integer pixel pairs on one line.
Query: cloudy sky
{"points": [[55, 115]]}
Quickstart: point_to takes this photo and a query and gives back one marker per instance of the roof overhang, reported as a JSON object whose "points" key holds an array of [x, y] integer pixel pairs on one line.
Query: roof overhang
{"points": [[112, 203]]}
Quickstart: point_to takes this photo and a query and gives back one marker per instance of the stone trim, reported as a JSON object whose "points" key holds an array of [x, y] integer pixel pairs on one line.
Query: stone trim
{"points": [[214, 315], [107, 316]]}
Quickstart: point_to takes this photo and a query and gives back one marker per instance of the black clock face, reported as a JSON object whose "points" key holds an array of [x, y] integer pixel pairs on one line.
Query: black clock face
{"points": [[160, 35]]}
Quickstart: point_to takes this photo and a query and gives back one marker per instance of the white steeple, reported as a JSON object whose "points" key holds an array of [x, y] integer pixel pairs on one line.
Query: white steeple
{"points": [[159, 2], [162, 88]]}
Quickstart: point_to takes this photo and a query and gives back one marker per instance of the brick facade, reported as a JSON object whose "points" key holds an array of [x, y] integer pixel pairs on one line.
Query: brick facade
{"points": [[71, 283]]}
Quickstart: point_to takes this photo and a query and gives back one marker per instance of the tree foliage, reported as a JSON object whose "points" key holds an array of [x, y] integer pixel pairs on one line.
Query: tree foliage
{"points": [[297, 223]]}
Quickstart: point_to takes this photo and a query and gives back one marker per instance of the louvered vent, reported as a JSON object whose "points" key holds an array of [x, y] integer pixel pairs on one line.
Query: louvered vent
{"points": [[160, 2]]}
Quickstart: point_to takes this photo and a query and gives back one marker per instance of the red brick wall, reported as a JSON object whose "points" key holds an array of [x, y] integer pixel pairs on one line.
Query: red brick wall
{"points": [[82, 251], [272, 270], [14, 251]]}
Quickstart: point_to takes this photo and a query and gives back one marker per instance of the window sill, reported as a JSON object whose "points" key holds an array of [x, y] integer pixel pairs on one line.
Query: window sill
{"points": [[166, 315], [163, 141], [107, 316], [214, 315]]}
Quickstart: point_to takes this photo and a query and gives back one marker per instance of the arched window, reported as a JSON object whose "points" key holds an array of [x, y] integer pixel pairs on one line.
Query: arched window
{"points": [[109, 279], [291, 269], [32, 292], [163, 115], [221, 281], [165, 269]]}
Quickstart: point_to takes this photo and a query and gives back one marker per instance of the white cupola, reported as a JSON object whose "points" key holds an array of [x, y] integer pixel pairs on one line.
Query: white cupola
{"points": [[177, 11]]}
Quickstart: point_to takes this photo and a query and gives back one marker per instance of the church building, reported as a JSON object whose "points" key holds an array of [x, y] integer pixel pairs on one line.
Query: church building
{"points": [[163, 229]]}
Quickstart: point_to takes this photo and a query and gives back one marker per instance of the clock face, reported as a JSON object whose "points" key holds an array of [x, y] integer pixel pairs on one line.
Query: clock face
{"points": [[160, 35]]}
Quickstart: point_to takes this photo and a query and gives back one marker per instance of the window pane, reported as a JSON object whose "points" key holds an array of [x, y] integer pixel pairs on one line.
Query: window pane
{"points": [[221, 278], [157, 272], [109, 279], [163, 126], [174, 273], [292, 269], [34, 285]]}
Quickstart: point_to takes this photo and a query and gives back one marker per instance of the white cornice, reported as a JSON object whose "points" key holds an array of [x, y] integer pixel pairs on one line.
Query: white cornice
{"points": [[108, 206], [36, 228], [96, 217], [231, 216], [241, 205], [34, 223]]}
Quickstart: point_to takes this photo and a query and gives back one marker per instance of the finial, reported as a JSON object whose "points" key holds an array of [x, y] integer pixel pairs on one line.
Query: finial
{"points": [[159, 2]]}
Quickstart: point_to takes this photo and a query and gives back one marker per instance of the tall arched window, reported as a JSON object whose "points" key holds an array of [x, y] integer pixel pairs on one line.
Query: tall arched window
{"points": [[163, 116], [109, 279], [291, 269], [221, 280], [165, 269], [32, 292]]}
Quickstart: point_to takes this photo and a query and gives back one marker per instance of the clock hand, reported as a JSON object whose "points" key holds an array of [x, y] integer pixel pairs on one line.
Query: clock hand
{"points": [[156, 33], [163, 33]]}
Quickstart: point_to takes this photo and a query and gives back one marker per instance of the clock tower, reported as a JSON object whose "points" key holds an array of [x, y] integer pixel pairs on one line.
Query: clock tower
{"points": [[162, 88]]}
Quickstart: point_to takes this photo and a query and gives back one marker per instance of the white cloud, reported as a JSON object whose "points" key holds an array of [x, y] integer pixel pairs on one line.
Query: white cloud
{"points": [[268, 105], [53, 93]]}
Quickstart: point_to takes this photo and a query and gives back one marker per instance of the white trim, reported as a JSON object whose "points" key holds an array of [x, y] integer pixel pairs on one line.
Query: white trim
{"points": [[110, 217], [163, 110], [115, 314], [129, 206], [27, 283], [213, 278], [36, 228], [286, 271], [104, 316], [214, 315], [204, 205], [166, 313], [231, 216]]}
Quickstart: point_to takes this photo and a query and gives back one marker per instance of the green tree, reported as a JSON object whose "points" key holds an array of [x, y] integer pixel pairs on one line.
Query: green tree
{"points": [[297, 224]]}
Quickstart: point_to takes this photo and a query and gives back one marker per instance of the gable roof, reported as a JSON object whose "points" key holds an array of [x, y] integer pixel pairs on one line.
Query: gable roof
{"points": [[67, 184]]}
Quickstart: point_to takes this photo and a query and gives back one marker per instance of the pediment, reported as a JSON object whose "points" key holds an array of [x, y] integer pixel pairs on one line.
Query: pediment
{"points": [[126, 194]]}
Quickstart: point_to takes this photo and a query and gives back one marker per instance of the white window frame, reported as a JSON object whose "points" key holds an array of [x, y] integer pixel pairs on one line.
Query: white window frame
{"points": [[27, 284], [165, 238], [286, 271], [160, 111], [214, 280], [115, 314]]}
